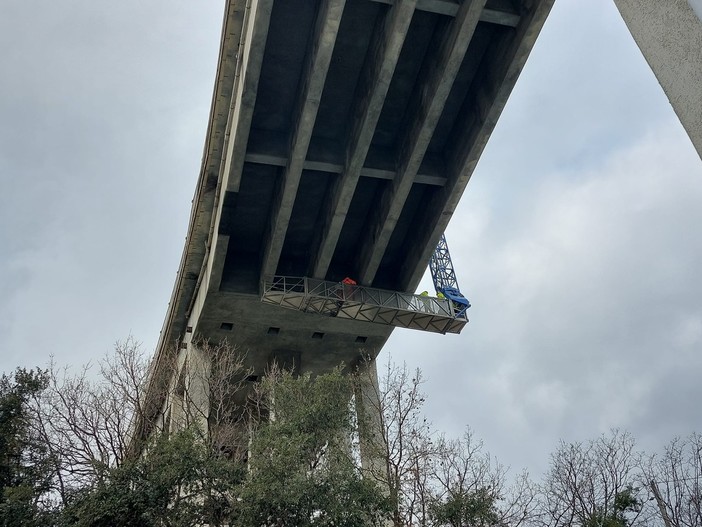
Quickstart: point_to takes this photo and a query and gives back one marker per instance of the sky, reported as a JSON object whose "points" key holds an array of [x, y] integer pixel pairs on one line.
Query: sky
{"points": [[576, 240]]}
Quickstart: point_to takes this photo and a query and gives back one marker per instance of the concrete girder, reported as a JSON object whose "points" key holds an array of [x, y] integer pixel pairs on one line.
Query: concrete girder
{"points": [[430, 176], [429, 100], [502, 15], [312, 84], [502, 72], [202, 213], [324, 156], [373, 87], [204, 201], [243, 100], [248, 71], [216, 264]]}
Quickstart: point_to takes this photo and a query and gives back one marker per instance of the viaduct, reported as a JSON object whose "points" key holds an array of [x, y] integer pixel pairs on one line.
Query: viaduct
{"points": [[341, 136]]}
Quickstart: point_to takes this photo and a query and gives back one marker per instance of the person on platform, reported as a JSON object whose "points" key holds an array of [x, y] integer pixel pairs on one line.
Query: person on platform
{"points": [[349, 289], [425, 300]]}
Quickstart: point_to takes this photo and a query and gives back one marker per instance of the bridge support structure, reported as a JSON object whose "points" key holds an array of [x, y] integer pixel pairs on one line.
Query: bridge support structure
{"points": [[341, 136], [669, 34]]}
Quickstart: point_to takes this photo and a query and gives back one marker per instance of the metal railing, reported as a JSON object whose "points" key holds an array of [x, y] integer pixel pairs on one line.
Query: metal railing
{"points": [[364, 303]]}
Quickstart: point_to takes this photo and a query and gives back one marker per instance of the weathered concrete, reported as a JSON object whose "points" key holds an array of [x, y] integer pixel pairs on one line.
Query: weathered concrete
{"points": [[372, 439], [341, 136], [669, 34], [373, 88], [323, 41], [428, 103]]}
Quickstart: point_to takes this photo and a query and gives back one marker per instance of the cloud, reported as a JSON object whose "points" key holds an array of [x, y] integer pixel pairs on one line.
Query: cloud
{"points": [[586, 309], [103, 112], [576, 240]]}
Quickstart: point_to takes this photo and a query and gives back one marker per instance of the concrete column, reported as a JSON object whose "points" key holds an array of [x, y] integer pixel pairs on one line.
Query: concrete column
{"points": [[176, 419], [669, 34], [371, 428], [197, 388], [370, 422]]}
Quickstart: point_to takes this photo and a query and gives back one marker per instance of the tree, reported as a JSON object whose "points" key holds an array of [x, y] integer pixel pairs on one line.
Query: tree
{"points": [[396, 439], [470, 488], [82, 424], [463, 508], [617, 515], [675, 479], [594, 484], [25, 464], [180, 482], [430, 480], [83, 419], [301, 466], [299, 471]]}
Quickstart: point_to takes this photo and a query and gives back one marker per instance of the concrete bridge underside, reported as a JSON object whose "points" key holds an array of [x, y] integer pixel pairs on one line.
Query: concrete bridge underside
{"points": [[341, 137]]}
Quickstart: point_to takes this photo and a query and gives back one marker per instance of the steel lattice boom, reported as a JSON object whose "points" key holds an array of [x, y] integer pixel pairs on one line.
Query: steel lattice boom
{"points": [[444, 276]]}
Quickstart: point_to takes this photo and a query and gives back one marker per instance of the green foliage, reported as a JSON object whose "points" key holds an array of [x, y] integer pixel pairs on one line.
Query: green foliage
{"points": [[25, 464], [301, 472], [591, 484], [466, 509], [178, 483], [624, 502]]}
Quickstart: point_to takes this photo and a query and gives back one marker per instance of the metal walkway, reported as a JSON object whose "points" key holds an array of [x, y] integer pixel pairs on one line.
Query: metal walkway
{"points": [[356, 302]]}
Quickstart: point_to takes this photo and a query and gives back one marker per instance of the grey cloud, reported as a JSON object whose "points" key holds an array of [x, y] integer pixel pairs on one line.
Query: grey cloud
{"points": [[583, 308], [576, 240], [103, 110]]}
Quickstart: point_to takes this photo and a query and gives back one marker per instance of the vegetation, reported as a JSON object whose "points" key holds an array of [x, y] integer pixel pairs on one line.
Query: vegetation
{"points": [[431, 480], [178, 484], [335, 450], [302, 470], [594, 484], [25, 461]]}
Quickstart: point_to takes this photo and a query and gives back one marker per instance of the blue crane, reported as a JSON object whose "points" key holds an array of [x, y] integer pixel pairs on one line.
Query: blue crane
{"points": [[444, 277]]}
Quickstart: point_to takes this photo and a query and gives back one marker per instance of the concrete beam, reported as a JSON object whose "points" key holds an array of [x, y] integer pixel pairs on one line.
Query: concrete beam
{"points": [[429, 100], [431, 175], [502, 15], [243, 100], [312, 85], [248, 71], [371, 92], [215, 267], [502, 68], [202, 214], [323, 156]]}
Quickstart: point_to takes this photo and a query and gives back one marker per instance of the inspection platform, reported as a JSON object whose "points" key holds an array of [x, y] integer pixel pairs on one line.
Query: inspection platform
{"points": [[368, 304]]}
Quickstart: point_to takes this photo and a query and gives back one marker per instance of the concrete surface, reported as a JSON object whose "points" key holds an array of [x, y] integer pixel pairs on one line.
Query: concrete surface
{"points": [[669, 34], [341, 136]]}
